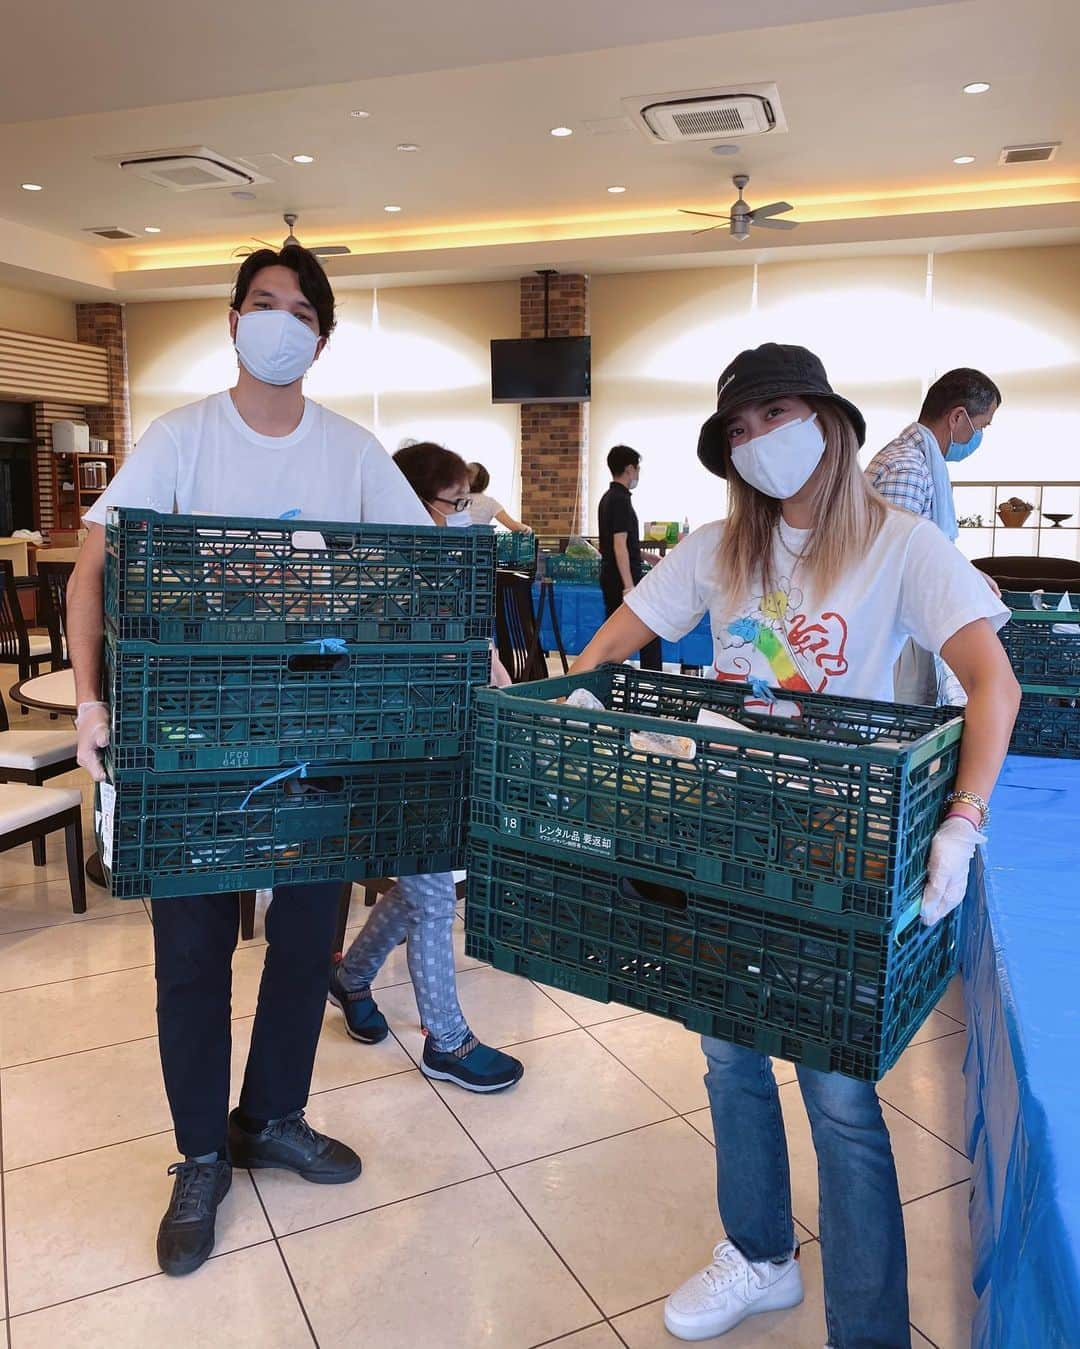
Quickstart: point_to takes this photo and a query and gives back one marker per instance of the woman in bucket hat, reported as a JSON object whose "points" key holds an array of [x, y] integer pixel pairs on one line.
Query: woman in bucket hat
{"points": [[814, 584]]}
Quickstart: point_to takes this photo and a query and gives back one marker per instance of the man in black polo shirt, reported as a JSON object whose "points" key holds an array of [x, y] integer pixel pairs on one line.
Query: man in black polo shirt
{"points": [[620, 544]]}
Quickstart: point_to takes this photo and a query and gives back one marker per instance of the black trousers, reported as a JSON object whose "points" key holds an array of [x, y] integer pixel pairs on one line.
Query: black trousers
{"points": [[612, 591], [194, 939]]}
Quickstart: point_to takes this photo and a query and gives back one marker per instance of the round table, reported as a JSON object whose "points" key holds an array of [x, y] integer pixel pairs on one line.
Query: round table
{"points": [[55, 692]]}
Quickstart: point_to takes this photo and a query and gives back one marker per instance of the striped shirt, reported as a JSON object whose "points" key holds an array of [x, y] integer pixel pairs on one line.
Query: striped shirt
{"points": [[900, 473]]}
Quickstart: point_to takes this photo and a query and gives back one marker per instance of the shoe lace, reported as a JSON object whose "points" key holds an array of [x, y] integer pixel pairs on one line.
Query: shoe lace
{"points": [[294, 1128], [728, 1266], [195, 1183]]}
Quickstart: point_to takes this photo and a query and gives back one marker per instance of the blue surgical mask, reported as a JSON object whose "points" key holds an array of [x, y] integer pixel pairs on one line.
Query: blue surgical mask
{"points": [[959, 450]]}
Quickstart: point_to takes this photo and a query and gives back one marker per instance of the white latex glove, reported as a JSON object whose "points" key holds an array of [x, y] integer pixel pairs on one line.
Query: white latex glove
{"points": [[92, 724], [950, 859], [500, 675]]}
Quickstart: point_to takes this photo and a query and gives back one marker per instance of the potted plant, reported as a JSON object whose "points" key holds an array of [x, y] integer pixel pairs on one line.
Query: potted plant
{"points": [[1014, 512]]}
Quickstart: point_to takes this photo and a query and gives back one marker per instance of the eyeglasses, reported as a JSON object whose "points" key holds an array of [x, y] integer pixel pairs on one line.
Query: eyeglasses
{"points": [[459, 503]]}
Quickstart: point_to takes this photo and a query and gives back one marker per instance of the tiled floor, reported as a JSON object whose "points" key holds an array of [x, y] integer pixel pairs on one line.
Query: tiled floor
{"points": [[560, 1212]]}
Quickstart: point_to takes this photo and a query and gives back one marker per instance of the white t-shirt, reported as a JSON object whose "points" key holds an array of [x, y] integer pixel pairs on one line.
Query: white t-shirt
{"points": [[484, 509], [912, 583], [204, 459]]}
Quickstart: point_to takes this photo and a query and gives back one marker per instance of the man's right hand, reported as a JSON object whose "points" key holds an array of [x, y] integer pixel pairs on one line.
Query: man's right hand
{"points": [[92, 724]]}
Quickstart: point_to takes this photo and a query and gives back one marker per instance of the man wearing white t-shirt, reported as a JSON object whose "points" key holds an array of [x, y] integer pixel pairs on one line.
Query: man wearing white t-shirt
{"points": [[259, 449]]}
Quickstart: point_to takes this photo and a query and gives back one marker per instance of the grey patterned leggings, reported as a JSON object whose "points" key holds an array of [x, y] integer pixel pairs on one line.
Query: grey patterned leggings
{"points": [[421, 908]]}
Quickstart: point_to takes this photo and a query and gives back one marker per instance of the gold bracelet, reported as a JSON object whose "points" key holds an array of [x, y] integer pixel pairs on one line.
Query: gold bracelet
{"points": [[971, 799]]}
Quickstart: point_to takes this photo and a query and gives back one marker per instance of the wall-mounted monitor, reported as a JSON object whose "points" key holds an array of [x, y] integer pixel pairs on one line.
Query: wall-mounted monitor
{"points": [[540, 370]]}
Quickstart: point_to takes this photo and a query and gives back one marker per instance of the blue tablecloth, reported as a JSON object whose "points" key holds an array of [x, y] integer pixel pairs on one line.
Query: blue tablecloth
{"points": [[1022, 987], [580, 610]]}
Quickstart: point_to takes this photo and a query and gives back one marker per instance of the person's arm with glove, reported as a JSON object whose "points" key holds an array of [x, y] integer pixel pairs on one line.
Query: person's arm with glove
{"points": [[85, 630], [978, 659]]}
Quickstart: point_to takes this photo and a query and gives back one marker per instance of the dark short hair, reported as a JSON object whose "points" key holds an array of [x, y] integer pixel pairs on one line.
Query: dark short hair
{"points": [[620, 458], [975, 392], [479, 477], [431, 469], [310, 277]]}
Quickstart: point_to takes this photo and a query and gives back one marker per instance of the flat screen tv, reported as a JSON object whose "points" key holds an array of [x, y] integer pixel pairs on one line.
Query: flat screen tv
{"points": [[540, 370]]}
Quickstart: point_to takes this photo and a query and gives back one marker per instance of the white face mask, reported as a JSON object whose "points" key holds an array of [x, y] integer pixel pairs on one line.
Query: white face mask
{"points": [[274, 346], [459, 519], [780, 463]]}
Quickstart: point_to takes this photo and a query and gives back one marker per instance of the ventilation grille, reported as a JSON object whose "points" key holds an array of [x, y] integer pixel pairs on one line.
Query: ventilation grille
{"points": [[708, 114], [190, 168], [1029, 154], [110, 232], [719, 121]]}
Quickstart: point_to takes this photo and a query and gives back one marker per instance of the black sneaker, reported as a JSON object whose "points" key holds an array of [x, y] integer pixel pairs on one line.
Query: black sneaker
{"points": [[186, 1234], [478, 1068], [291, 1144], [363, 1020]]}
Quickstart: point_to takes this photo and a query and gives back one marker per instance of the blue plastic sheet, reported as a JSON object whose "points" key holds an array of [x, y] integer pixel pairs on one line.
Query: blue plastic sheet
{"points": [[580, 610], [1022, 988]]}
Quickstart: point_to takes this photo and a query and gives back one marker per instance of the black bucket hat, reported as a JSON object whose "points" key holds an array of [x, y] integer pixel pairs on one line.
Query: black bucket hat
{"points": [[768, 371]]}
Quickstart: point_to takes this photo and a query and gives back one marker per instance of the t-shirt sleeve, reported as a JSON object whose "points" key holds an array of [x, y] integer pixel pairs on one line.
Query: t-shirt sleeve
{"points": [[672, 599], [941, 592], [147, 478], [385, 495], [904, 481], [621, 515]]}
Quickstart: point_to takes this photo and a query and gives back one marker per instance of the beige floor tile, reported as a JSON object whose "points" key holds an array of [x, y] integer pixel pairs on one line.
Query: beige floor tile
{"points": [[939, 1267], [632, 1216], [802, 1327], [573, 1092], [85, 1223], [928, 1085], [952, 1004], [408, 1140], [463, 1266], [596, 1337], [82, 1101], [662, 1053], [47, 903], [239, 1301], [587, 1011], [500, 1008], [74, 950]]}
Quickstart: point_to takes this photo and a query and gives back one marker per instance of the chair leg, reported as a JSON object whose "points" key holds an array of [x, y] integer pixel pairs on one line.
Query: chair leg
{"points": [[76, 876], [37, 846], [343, 917], [247, 914]]}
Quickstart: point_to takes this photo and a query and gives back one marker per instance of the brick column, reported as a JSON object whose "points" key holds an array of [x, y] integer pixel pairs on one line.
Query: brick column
{"points": [[102, 325], [554, 436]]}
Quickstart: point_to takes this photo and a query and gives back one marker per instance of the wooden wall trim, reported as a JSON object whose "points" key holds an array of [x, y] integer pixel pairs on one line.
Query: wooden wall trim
{"points": [[47, 369]]}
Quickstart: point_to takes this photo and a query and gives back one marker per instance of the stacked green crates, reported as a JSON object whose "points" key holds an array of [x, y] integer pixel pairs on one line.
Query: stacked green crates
{"points": [[1045, 656], [516, 551], [289, 700], [766, 890]]}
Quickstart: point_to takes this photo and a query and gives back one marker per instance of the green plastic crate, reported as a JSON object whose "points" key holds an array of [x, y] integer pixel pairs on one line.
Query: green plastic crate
{"points": [[172, 834], [185, 578], [516, 552], [838, 808], [572, 570], [1048, 724], [839, 995], [1037, 653], [200, 707]]}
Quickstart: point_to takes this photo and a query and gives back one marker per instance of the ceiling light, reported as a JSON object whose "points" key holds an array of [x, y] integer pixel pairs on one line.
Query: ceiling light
{"points": [[562, 131], [726, 148], [303, 159], [616, 190], [359, 112], [979, 87], [407, 147], [30, 187], [243, 196], [392, 209], [151, 229], [964, 159]]}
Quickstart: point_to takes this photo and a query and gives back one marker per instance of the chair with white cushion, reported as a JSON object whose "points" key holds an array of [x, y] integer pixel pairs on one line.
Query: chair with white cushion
{"points": [[29, 814], [18, 646], [34, 756]]}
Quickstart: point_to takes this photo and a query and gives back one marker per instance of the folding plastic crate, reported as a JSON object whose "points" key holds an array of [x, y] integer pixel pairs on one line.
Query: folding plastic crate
{"points": [[572, 570], [840, 994], [1037, 653], [1048, 724], [204, 707], [167, 834], [185, 578], [516, 552], [834, 809]]}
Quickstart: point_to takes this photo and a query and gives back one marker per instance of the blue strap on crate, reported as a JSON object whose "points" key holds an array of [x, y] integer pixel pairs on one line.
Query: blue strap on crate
{"points": [[297, 770]]}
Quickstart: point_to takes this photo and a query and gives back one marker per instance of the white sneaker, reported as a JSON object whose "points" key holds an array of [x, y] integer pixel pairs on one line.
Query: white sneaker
{"points": [[729, 1290]]}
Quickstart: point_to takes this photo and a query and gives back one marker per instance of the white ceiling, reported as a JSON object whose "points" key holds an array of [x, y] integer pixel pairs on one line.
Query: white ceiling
{"points": [[871, 93]]}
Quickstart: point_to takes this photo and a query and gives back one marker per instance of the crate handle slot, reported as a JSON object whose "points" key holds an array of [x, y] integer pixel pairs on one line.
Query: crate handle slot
{"points": [[653, 892], [309, 785], [316, 664]]}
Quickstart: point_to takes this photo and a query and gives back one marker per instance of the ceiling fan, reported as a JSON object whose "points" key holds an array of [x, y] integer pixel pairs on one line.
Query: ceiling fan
{"points": [[320, 251], [742, 216]]}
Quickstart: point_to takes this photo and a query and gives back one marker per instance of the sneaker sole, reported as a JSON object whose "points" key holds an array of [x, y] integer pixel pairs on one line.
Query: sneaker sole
{"points": [[178, 1268], [438, 1076], [312, 1177], [697, 1328], [353, 1035]]}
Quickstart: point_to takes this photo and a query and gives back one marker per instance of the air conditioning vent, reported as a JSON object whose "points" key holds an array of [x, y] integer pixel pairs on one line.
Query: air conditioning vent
{"points": [[190, 168], [708, 114], [1029, 154], [110, 232]]}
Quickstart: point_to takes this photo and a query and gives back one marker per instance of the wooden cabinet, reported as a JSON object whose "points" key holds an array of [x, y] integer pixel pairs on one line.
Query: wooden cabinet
{"points": [[78, 481]]}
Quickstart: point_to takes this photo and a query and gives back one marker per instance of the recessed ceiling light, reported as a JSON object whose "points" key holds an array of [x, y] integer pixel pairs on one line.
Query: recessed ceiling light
{"points": [[303, 159], [243, 195], [359, 112], [616, 189], [726, 148], [964, 159], [408, 147], [562, 131], [30, 187], [151, 229], [979, 87], [392, 209]]}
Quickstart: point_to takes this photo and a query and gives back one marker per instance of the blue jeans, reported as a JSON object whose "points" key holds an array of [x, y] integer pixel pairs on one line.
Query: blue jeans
{"points": [[860, 1221], [421, 908]]}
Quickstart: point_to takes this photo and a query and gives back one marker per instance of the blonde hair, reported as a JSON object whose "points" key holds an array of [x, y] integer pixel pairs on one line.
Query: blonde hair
{"points": [[848, 516]]}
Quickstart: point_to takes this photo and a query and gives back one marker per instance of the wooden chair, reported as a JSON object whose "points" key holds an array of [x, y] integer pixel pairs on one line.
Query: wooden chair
{"points": [[17, 645], [30, 814], [517, 635], [53, 580], [35, 756]]}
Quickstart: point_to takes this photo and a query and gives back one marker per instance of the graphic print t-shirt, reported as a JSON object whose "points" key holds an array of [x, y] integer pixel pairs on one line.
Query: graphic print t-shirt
{"points": [[912, 583]]}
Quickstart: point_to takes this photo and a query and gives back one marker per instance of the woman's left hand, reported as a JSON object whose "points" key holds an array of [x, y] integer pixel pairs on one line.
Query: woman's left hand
{"points": [[950, 861], [500, 676]]}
